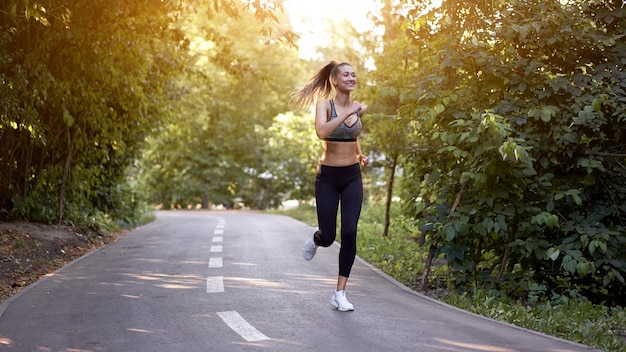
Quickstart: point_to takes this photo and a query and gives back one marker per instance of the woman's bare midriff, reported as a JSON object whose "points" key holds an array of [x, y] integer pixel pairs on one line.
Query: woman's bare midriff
{"points": [[339, 154]]}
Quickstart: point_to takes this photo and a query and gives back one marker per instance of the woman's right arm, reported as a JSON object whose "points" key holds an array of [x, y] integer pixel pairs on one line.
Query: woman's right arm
{"points": [[325, 127]]}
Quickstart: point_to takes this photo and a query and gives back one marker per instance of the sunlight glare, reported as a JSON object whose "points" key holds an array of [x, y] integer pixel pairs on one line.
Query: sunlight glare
{"points": [[475, 347], [6, 341], [311, 19]]}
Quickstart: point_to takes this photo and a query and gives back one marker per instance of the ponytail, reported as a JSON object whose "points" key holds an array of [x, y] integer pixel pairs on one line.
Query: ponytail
{"points": [[317, 87]]}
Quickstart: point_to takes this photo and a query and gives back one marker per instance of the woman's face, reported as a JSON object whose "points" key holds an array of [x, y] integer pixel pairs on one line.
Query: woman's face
{"points": [[345, 79]]}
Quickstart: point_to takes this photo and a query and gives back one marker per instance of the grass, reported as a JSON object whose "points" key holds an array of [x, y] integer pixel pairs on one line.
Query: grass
{"points": [[574, 319], [571, 318]]}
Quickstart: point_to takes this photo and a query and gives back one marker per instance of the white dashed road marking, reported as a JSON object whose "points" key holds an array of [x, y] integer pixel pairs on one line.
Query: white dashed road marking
{"points": [[216, 262], [215, 284], [241, 326]]}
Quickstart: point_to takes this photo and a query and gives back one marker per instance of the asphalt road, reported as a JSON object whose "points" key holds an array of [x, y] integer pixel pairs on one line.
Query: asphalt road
{"points": [[236, 281]]}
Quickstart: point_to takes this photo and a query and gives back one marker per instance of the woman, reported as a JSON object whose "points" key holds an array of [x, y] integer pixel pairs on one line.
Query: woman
{"points": [[338, 178]]}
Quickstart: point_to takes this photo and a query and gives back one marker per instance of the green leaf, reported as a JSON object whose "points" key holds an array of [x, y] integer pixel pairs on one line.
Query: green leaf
{"points": [[451, 233], [522, 30], [577, 199], [466, 176], [618, 275], [569, 264], [584, 268], [592, 247], [597, 244], [553, 253], [438, 109], [67, 117], [488, 224], [479, 229], [433, 177]]}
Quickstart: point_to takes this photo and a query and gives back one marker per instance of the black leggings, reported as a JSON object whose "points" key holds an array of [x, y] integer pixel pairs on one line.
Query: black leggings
{"points": [[334, 184]]}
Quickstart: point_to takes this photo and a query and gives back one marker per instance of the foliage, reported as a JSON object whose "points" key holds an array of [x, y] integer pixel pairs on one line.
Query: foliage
{"points": [[397, 254], [524, 138], [290, 155], [217, 151], [82, 86], [78, 117]]}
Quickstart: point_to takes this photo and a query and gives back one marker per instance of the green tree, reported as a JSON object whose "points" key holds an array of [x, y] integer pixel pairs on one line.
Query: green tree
{"points": [[89, 101], [214, 152], [517, 142], [83, 85], [387, 137], [292, 152]]}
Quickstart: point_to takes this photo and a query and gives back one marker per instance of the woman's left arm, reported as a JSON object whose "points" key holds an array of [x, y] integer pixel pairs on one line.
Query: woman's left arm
{"points": [[362, 158]]}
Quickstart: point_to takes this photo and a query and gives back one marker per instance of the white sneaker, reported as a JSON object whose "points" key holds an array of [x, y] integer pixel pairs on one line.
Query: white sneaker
{"points": [[340, 301], [309, 248]]}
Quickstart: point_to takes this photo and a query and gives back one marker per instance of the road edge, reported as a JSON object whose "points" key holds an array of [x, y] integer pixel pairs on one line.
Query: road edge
{"points": [[5, 305], [421, 295]]}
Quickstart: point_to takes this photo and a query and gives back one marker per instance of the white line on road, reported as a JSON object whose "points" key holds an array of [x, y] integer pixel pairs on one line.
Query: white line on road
{"points": [[241, 326], [214, 284], [218, 232], [216, 249], [216, 262], [218, 239]]}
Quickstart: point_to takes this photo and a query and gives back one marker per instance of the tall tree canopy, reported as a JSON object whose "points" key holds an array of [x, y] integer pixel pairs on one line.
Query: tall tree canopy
{"points": [[214, 152], [84, 93], [84, 84], [517, 127]]}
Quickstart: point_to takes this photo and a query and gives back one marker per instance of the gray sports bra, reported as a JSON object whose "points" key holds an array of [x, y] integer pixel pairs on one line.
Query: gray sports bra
{"points": [[344, 133]]}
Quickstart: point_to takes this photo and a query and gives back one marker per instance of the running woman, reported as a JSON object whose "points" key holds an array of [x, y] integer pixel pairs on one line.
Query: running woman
{"points": [[338, 178]]}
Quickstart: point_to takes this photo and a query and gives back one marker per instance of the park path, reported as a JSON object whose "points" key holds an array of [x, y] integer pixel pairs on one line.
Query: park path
{"points": [[236, 281]]}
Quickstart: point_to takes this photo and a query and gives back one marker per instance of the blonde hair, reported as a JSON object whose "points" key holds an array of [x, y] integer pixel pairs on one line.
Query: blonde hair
{"points": [[317, 87]]}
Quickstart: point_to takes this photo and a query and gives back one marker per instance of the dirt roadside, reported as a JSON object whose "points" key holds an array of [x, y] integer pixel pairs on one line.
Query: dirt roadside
{"points": [[29, 251]]}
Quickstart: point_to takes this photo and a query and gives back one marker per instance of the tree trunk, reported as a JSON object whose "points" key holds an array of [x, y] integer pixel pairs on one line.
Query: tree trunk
{"points": [[422, 238], [205, 201], [431, 252], [394, 163], [6, 171], [25, 165], [423, 285], [66, 174], [507, 252], [505, 258]]}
